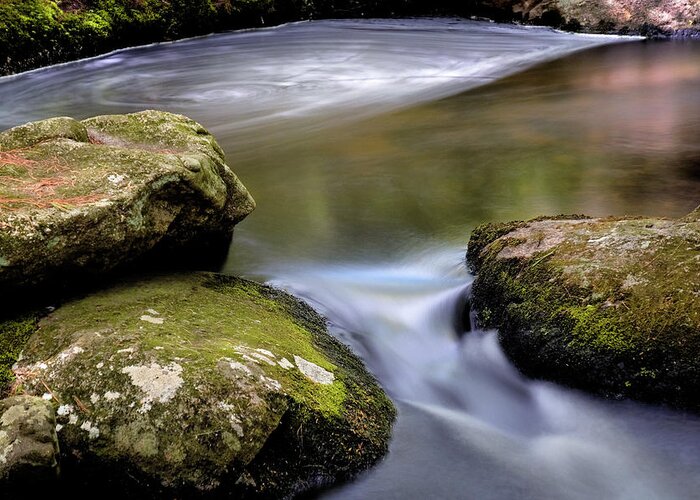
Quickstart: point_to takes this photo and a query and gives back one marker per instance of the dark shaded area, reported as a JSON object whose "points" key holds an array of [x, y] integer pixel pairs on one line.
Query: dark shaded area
{"points": [[206, 253], [16, 327]]}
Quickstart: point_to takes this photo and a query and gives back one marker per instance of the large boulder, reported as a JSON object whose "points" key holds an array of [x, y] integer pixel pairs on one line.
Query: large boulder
{"points": [[202, 384], [28, 445], [609, 305], [80, 198]]}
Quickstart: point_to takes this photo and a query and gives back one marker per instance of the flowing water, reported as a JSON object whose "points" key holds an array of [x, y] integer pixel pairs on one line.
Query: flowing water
{"points": [[372, 148]]}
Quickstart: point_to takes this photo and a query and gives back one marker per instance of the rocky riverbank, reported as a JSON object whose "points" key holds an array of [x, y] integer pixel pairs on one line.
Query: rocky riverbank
{"points": [[609, 305], [35, 33], [634, 17]]}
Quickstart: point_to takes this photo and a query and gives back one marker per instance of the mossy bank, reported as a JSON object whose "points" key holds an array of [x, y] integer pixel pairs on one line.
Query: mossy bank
{"points": [[35, 33], [202, 385], [608, 305]]}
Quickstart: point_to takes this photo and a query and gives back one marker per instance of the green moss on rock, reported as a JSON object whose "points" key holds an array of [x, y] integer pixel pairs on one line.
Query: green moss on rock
{"points": [[14, 334], [203, 383], [80, 198], [609, 305], [46, 130]]}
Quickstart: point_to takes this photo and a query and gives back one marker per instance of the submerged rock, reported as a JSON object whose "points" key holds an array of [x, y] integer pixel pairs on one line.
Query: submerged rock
{"points": [[28, 444], [609, 305], [203, 384], [85, 197]]}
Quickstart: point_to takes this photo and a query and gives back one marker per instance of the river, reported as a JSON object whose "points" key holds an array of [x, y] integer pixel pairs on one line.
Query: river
{"points": [[372, 149]]}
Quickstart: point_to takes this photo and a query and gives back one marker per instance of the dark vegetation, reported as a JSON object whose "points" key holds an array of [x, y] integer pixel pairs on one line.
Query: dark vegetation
{"points": [[14, 333]]}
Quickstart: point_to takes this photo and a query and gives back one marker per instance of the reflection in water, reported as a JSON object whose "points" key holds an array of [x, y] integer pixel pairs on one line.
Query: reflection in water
{"points": [[555, 139], [365, 200]]}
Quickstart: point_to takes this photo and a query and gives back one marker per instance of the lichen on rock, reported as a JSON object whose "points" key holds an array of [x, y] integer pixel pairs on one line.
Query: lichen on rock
{"points": [[85, 197], [611, 305], [28, 445], [208, 400]]}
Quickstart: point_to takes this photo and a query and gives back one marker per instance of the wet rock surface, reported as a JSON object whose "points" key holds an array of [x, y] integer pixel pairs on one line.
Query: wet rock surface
{"points": [[609, 305], [202, 385], [81, 198]]}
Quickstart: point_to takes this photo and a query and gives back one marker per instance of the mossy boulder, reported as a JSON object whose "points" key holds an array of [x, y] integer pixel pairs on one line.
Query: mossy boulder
{"points": [[85, 197], [28, 445], [203, 384], [609, 305]]}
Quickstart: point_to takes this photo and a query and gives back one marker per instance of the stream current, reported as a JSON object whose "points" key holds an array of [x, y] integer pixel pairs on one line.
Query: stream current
{"points": [[372, 149]]}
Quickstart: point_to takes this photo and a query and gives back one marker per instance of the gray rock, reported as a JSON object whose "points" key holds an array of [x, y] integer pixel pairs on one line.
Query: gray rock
{"points": [[28, 443], [204, 384], [85, 197]]}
